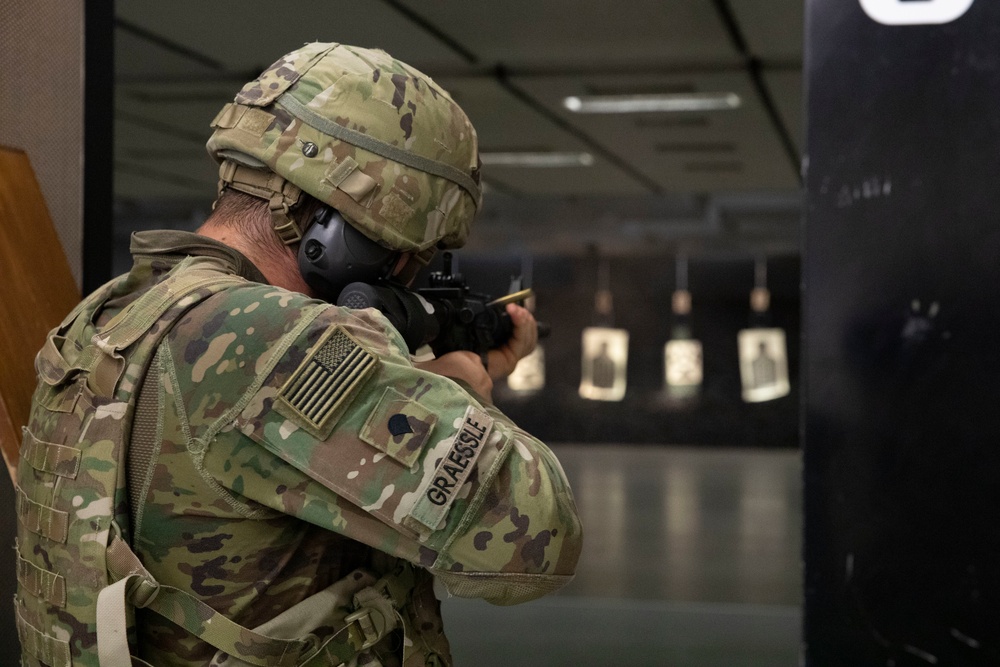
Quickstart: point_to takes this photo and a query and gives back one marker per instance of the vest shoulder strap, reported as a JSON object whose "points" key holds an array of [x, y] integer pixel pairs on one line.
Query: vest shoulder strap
{"points": [[374, 616]]}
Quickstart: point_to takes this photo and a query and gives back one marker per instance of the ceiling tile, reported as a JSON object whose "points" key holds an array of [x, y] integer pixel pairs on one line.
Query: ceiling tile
{"points": [[178, 62], [682, 152], [533, 35], [147, 59], [161, 181], [187, 108], [156, 160], [505, 123], [785, 87], [773, 29], [246, 36]]}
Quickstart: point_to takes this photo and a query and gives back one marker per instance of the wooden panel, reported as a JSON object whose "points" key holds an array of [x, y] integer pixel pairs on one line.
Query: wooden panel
{"points": [[36, 291]]}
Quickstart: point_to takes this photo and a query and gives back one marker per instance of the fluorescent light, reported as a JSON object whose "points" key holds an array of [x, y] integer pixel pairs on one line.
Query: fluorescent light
{"points": [[537, 159], [653, 103]]}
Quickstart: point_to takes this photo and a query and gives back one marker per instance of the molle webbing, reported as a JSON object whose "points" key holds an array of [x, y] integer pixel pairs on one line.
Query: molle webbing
{"points": [[49, 472], [40, 519], [45, 648], [49, 457], [41, 583]]}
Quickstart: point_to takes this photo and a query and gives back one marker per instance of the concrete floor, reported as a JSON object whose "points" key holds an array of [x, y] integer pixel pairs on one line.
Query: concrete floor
{"points": [[692, 558]]}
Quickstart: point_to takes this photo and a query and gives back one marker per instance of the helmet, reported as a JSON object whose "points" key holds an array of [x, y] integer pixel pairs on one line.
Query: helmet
{"points": [[360, 131]]}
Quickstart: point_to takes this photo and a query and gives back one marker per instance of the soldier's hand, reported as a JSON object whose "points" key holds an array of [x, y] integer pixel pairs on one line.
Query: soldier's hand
{"points": [[503, 359], [462, 365]]}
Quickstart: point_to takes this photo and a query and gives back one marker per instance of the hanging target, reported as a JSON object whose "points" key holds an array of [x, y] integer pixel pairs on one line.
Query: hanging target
{"points": [[529, 374], [763, 364], [605, 358], [682, 364]]}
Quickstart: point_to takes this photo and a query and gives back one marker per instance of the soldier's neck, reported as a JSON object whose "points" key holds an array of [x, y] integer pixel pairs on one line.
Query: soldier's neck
{"points": [[280, 268]]}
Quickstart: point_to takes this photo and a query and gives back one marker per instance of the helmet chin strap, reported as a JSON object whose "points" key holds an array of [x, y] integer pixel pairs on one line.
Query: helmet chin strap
{"points": [[418, 261], [282, 195]]}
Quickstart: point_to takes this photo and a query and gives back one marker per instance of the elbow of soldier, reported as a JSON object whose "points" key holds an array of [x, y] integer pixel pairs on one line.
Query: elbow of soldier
{"points": [[539, 564]]}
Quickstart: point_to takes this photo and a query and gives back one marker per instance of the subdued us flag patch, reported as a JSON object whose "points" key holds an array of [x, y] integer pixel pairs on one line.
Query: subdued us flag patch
{"points": [[325, 382]]}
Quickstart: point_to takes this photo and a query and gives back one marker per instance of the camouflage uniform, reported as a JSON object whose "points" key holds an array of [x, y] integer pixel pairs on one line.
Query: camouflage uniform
{"points": [[254, 500], [288, 469]]}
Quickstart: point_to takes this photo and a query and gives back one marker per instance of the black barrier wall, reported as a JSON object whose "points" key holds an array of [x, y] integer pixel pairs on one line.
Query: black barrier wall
{"points": [[902, 316]]}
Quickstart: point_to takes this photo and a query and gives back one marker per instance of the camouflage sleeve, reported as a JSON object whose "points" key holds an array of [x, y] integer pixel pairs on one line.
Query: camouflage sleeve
{"points": [[407, 462]]}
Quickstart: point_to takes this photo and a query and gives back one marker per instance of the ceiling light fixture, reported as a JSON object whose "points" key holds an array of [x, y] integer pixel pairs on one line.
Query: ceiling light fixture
{"points": [[537, 159], [653, 103]]}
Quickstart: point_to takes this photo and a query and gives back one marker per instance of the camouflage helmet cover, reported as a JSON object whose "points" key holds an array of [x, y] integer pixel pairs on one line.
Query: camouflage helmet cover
{"points": [[365, 133]]}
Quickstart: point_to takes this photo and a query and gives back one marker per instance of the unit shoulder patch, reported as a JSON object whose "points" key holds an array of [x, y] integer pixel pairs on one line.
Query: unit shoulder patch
{"points": [[325, 383]]}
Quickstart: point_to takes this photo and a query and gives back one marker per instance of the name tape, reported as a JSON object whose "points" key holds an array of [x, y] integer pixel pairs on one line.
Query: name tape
{"points": [[453, 471]]}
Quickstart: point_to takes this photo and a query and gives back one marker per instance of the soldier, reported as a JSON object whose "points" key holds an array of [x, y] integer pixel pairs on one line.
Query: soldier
{"points": [[264, 478]]}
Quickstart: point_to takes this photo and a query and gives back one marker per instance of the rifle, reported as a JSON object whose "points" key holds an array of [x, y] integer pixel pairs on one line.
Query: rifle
{"points": [[447, 314]]}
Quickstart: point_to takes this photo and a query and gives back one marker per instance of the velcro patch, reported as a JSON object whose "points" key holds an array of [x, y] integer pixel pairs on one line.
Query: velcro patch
{"points": [[255, 121], [435, 498], [395, 211], [325, 382], [398, 426]]}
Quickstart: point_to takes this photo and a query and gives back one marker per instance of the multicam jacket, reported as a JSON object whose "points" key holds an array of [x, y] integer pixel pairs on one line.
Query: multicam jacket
{"points": [[294, 453]]}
